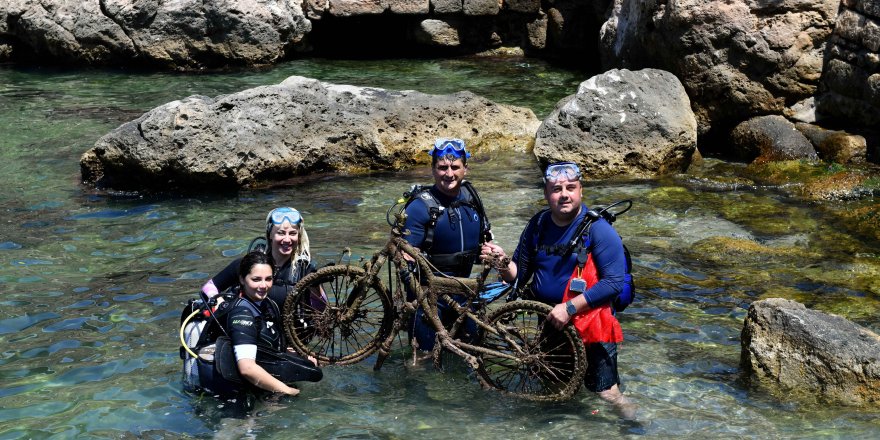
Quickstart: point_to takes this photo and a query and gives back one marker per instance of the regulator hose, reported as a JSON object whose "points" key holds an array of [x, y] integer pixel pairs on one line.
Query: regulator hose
{"points": [[182, 339]]}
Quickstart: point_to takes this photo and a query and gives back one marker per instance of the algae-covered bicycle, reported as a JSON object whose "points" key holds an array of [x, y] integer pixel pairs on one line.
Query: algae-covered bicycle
{"points": [[515, 351]]}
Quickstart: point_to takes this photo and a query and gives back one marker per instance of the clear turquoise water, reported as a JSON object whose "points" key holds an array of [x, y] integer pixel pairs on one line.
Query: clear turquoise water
{"points": [[92, 284]]}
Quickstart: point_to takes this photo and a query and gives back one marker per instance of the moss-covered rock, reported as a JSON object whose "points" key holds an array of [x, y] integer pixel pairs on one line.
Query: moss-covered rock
{"points": [[865, 220], [766, 216], [739, 251], [670, 195], [842, 185], [817, 181]]}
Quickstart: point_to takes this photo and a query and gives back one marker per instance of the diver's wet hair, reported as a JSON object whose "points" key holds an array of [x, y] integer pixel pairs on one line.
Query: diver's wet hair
{"points": [[252, 259]]}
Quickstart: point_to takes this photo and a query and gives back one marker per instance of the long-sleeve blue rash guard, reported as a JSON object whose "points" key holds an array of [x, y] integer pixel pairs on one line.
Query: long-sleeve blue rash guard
{"points": [[551, 272]]}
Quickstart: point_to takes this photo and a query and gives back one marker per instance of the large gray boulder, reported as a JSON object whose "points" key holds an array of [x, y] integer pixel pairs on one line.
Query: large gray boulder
{"points": [[179, 34], [622, 122], [736, 58], [785, 343], [298, 127]]}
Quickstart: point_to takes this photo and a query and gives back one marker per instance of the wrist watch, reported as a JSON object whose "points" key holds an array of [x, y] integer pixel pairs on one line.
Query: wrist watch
{"points": [[569, 307]]}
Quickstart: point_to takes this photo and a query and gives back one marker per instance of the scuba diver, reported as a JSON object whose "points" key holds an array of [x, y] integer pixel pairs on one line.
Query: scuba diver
{"points": [[288, 247], [238, 345], [448, 224], [577, 263]]}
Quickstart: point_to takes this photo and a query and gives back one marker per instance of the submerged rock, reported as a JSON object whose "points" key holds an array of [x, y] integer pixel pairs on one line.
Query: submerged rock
{"points": [[770, 138], [817, 180], [787, 344], [635, 123], [298, 127], [738, 251]]}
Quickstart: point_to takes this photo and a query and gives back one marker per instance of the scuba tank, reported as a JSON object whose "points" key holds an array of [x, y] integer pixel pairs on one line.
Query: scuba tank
{"points": [[199, 330]]}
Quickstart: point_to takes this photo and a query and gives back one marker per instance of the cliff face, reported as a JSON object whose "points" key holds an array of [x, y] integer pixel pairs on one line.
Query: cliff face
{"points": [[181, 34], [851, 77], [736, 58], [190, 34]]}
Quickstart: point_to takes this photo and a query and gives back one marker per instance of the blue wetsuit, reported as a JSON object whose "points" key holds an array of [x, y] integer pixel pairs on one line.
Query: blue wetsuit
{"points": [[455, 247]]}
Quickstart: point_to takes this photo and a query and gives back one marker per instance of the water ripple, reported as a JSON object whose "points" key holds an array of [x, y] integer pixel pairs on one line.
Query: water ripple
{"points": [[67, 324], [19, 323], [39, 410], [113, 213], [95, 373]]}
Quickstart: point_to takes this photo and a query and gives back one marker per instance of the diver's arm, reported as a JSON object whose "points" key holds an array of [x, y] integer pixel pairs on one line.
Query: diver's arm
{"points": [[227, 278], [210, 289], [260, 378]]}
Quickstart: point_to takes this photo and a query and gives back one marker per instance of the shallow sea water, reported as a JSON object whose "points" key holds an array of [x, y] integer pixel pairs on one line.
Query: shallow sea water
{"points": [[93, 283]]}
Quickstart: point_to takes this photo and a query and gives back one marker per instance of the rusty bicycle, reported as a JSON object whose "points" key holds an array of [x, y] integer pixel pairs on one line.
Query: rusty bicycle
{"points": [[515, 350]]}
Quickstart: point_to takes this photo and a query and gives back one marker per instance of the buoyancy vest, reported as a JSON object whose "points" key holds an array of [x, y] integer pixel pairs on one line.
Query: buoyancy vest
{"points": [[271, 338], [272, 354], [215, 323], [469, 198]]}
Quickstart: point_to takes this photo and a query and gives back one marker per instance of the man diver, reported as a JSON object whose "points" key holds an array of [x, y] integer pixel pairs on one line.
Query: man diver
{"points": [[581, 281], [448, 224]]}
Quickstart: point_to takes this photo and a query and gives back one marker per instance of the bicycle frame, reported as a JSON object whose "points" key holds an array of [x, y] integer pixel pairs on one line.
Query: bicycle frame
{"points": [[514, 352]]}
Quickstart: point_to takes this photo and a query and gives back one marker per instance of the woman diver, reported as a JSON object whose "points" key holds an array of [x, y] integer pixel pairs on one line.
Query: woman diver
{"points": [[290, 255], [240, 342], [254, 322], [259, 283]]}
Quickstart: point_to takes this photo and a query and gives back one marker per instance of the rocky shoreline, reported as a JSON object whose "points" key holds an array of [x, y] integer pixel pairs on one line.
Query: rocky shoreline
{"points": [[621, 123], [811, 61]]}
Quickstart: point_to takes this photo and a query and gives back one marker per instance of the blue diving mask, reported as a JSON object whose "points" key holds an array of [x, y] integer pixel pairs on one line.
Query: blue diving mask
{"points": [[562, 170], [284, 214], [448, 146]]}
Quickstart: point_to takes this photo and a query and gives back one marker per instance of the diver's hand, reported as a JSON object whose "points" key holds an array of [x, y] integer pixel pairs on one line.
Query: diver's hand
{"points": [[491, 251], [492, 254], [290, 391], [559, 316]]}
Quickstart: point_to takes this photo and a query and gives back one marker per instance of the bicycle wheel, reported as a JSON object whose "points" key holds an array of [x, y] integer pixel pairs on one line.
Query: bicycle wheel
{"points": [[346, 327], [535, 361]]}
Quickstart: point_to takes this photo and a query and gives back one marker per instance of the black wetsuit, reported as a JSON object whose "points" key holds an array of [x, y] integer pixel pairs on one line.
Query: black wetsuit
{"points": [[249, 323]]}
